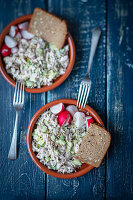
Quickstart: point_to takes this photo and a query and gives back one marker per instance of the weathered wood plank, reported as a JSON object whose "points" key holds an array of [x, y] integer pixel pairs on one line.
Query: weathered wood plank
{"points": [[81, 18], [19, 179], [119, 183]]}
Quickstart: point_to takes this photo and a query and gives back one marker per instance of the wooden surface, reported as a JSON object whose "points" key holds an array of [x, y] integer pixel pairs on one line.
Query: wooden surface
{"points": [[111, 96]]}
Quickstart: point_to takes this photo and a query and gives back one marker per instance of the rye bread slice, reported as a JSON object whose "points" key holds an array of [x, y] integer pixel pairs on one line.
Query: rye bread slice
{"points": [[49, 27], [94, 145]]}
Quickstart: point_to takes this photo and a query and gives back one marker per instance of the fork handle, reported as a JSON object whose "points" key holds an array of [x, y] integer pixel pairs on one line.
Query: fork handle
{"points": [[96, 32], [13, 148]]}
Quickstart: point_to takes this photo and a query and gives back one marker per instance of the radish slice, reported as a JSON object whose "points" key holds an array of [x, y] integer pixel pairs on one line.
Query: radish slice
{"points": [[68, 120], [89, 120], [72, 109], [57, 108], [64, 118], [14, 50], [10, 42], [23, 26], [26, 35], [79, 119], [13, 31], [5, 51], [18, 36]]}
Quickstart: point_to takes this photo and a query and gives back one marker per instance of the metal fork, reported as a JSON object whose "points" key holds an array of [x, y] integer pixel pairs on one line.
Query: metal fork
{"points": [[85, 84], [18, 102]]}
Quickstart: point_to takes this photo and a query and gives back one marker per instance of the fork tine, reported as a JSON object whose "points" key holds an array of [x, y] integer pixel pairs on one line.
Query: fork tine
{"points": [[23, 93], [20, 100], [17, 91], [87, 96], [81, 94], [84, 96]]}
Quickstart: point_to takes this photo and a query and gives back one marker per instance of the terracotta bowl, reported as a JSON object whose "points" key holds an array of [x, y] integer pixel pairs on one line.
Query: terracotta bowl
{"points": [[46, 88], [84, 168]]}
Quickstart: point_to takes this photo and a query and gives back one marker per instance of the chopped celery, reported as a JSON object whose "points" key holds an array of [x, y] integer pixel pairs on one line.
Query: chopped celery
{"points": [[61, 142], [43, 128], [38, 146], [72, 152], [75, 142], [61, 137], [76, 162], [44, 64], [53, 47], [40, 51], [46, 45], [52, 137], [44, 73], [68, 150], [69, 144], [46, 122], [41, 142], [56, 152], [29, 83], [54, 167], [62, 50], [52, 74], [35, 137], [47, 159], [29, 62]]}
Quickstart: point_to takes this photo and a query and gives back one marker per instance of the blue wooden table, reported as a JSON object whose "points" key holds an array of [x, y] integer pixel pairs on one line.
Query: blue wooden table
{"points": [[111, 96]]}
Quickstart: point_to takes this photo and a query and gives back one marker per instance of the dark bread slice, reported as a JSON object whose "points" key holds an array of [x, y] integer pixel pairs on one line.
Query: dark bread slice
{"points": [[49, 27], [94, 145]]}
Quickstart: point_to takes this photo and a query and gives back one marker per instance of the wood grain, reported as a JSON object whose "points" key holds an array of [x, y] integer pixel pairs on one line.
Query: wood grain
{"points": [[19, 179], [82, 17], [119, 183]]}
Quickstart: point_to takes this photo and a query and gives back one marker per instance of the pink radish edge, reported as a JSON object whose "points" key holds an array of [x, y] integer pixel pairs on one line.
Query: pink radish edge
{"points": [[58, 108]]}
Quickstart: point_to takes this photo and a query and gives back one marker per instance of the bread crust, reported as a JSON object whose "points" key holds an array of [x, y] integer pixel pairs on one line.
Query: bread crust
{"points": [[52, 15], [97, 165]]}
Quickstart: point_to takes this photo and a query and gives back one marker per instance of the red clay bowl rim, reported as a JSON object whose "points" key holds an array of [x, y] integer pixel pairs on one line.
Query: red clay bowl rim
{"points": [[29, 139], [46, 88]]}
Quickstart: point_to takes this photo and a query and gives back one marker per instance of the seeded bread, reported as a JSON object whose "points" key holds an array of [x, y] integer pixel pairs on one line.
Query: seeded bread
{"points": [[94, 145], [49, 27]]}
